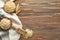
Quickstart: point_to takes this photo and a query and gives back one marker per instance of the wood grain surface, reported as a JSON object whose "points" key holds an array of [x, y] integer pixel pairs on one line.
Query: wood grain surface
{"points": [[43, 17]]}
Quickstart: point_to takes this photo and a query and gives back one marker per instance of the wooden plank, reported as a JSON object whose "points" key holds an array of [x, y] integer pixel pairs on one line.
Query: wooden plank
{"points": [[41, 6], [43, 17], [44, 27], [38, 1]]}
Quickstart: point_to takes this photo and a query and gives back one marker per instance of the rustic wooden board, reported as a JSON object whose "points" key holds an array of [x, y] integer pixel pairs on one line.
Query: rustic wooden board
{"points": [[43, 17], [45, 28]]}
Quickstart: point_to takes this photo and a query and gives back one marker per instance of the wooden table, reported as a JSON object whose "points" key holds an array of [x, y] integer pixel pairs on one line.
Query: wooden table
{"points": [[43, 19]]}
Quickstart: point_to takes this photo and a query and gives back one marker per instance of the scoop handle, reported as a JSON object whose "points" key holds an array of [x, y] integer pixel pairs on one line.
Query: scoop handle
{"points": [[26, 33]]}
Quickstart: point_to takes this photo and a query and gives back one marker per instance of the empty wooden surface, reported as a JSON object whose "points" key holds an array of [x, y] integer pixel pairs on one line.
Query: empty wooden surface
{"points": [[43, 17]]}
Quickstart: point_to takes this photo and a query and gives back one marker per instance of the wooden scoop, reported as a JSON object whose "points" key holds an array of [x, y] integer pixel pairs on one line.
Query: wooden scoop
{"points": [[26, 33]]}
